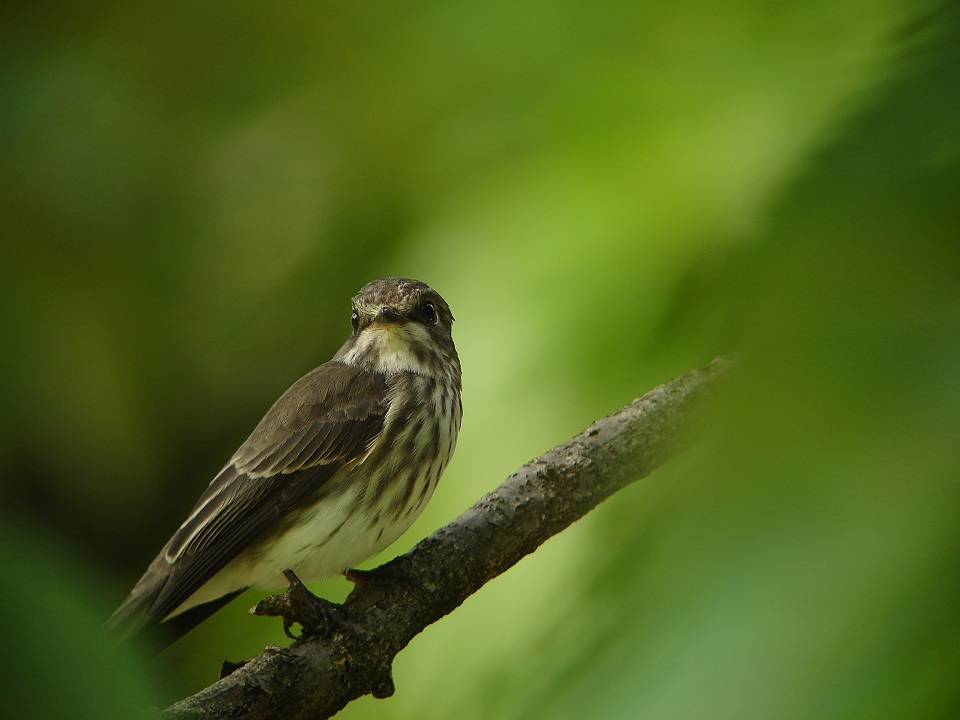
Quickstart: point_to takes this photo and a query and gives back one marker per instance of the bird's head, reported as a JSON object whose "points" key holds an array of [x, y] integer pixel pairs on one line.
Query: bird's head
{"points": [[401, 325]]}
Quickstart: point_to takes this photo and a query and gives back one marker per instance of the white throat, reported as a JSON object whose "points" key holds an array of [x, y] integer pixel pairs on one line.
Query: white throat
{"points": [[387, 349]]}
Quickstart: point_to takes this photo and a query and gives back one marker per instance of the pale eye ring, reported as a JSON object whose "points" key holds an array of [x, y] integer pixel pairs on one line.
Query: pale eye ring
{"points": [[355, 320]]}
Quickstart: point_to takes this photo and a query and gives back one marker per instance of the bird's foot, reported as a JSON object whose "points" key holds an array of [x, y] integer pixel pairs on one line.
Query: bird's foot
{"points": [[296, 604]]}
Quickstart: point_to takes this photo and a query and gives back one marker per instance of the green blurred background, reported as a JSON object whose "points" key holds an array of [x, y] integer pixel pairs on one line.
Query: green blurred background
{"points": [[607, 194]]}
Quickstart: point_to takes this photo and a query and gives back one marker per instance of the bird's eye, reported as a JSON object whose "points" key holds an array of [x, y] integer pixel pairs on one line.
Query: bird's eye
{"points": [[429, 313], [355, 320]]}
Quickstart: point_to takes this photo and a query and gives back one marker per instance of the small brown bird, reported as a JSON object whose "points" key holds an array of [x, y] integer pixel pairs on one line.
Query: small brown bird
{"points": [[337, 469]]}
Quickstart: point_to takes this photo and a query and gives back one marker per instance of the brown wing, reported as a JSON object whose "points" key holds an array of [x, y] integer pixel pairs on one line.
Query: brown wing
{"points": [[327, 419]]}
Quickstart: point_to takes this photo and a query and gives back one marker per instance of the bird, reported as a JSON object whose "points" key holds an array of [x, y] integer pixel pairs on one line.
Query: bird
{"points": [[338, 468]]}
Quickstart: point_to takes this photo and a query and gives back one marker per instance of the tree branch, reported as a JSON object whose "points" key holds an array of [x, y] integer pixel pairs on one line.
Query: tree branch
{"points": [[317, 676]]}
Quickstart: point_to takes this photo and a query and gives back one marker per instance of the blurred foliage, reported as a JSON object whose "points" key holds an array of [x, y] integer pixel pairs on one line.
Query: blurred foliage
{"points": [[607, 194], [56, 663]]}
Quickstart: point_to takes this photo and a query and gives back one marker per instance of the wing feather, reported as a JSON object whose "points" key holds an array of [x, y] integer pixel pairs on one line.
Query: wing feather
{"points": [[326, 420]]}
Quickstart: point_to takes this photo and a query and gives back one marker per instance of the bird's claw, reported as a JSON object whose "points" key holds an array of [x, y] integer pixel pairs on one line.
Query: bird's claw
{"points": [[296, 604]]}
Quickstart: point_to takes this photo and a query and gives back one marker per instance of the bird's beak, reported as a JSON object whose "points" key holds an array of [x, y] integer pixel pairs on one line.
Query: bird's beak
{"points": [[389, 316]]}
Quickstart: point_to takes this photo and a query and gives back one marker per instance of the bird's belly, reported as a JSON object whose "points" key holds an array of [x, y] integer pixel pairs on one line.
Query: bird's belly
{"points": [[329, 540], [333, 536]]}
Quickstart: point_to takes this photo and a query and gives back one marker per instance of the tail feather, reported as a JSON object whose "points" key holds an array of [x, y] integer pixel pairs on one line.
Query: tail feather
{"points": [[179, 625], [135, 617]]}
